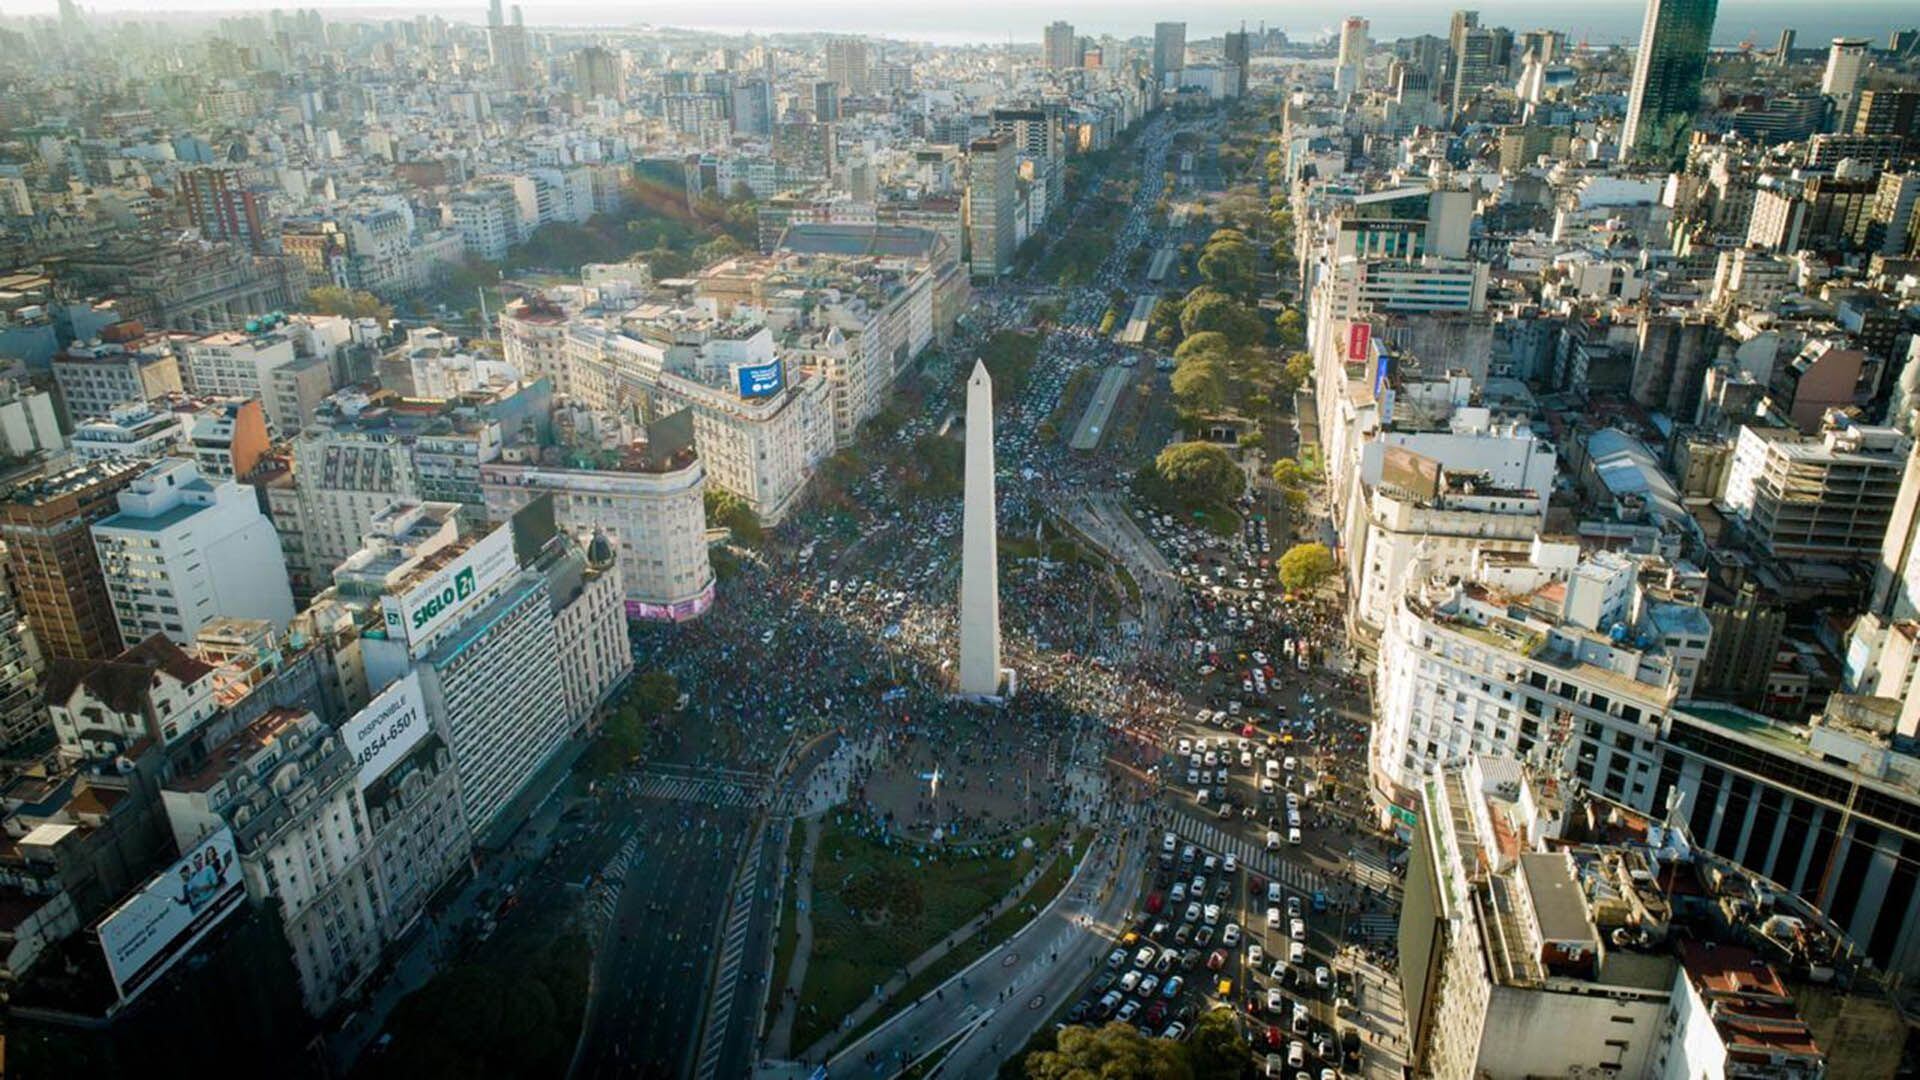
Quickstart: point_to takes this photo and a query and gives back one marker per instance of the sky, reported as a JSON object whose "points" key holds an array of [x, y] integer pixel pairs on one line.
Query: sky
{"points": [[951, 21]]}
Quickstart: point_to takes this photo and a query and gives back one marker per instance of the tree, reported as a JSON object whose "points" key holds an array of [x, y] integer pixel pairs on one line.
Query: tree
{"points": [[726, 510], [1291, 328], [1200, 472], [1200, 386], [1215, 1050], [1115, 1052], [1305, 566], [352, 303], [1300, 368], [1207, 308], [1207, 345], [1289, 473]]}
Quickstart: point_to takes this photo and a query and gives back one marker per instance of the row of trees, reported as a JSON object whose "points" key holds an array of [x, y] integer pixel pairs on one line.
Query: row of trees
{"points": [[1214, 1051]]}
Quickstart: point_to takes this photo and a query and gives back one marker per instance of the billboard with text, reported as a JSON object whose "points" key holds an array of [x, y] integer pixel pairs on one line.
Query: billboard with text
{"points": [[386, 729], [154, 928], [418, 612], [760, 380]]}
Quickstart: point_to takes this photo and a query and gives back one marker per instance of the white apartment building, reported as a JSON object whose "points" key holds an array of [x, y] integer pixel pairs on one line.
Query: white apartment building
{"points": [[1824, 497], [27, 421], [265, 365], [760, 428], [184, 550], [655, 518], [94, 378], [533, 341], [131, 429], [342, 480], [285, 784], [151, 691], [590, 618]]}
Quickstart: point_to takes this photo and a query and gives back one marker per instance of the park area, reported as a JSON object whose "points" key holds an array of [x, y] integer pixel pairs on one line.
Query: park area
{"points": [[879, 901]]}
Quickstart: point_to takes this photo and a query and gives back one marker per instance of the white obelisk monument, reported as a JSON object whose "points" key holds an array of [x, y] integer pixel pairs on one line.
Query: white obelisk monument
{"points": [[979, 553]]}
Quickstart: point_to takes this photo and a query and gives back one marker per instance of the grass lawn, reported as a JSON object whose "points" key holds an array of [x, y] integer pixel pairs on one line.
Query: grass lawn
{"points": [[874, 910]]}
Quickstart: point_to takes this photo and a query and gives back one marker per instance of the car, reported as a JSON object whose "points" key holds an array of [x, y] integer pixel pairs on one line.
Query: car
{"points": [[1273, 892], [1172, 988], [1272, 768], [1288, 763], [1222, 890], [1293, 834], [1148, 985], [1274, 1067], [1226, 810], [1297, 929], [1276, 1002], [1280, 970], [1143, 957], [1079, 1011], [1231, 865], [1183, 935], [1186, 855], [1165, 963], [1322, 978], [1210, 864], [1169, 842], [1246, 759], [1185, 747], [1293, 907], [1296, 952], [1198, 890], [1203, 937], [1201, 796], [1255, 955], [1193, 777], [1273, 840], [1301, 1021], [1273, 918], [1216, 960], [1117, 958], [1128, 1011], [1110, 1001], [1212, 914], [1175, 1032], [1155, 901], [1178, 894], [1231, 935], [1211, 759], [1296, 1053], [1129, 982]]}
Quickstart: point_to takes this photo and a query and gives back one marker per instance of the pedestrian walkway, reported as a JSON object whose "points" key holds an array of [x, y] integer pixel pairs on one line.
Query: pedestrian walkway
{"points": [[1370, 867], [1300, 879], [733, 944], [604, 897], [1374, 928], [781, 1037]]}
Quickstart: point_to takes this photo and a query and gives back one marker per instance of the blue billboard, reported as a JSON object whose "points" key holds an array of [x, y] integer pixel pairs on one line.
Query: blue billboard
{"points": [[760, 380]]}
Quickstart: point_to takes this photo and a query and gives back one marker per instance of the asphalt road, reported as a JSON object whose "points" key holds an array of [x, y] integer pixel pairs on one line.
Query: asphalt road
{"points": [[1018, 987], [650, 976]]}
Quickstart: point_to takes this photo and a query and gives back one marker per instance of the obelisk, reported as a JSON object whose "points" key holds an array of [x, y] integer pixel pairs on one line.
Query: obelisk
{"points": [[980, 548]]}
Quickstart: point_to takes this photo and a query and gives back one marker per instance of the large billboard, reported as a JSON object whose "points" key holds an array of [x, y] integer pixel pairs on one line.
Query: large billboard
{"points": [[641, 611], [760, 380], [145, 936], [1359, 337], [387, 728], [417, 613]]}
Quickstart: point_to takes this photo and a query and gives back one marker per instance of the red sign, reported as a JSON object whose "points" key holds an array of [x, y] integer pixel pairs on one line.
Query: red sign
{"points": [[1359, 336]]}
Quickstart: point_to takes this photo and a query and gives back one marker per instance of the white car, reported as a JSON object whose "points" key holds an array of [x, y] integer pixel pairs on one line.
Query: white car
{"points": [[1256, 956], [1276, 1002], [1273, 892], [1128, 981], [1273, 840], [1296, 929], [1185, 747], [1288, 764], [1296, 952], [1293, 835], [1322, 978], [1232, 864], [1231, 935], [1193, 913], [1293, 907], [1273, 918], [1168, 843], [1212, 914]]}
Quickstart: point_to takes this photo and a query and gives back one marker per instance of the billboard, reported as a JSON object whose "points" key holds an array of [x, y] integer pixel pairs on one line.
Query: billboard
{"points": [[417, 613], [760, 380], [153, 929], [641, 611], [392, 724], [1359, 336]]}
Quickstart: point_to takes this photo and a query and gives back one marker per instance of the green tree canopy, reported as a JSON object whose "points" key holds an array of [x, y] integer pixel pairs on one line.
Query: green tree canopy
{"points": [[1200, 386], [1207, 308], [726, 510], [1291, 328], [1207, 345], [1215, 1050], [1289, 473], [1115, 1052], [1300, 367], [352, 303], [1305, 566], [1201, 472]]}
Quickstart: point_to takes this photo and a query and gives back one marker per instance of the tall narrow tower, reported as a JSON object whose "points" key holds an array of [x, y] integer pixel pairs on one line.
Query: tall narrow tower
{"points": [[980, 548]]}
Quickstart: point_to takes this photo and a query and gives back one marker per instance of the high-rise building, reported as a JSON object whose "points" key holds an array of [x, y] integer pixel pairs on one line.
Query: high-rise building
{"points": [[753, 108], [1889, 112], [596, 72], [222, 208], [1783, 52], [847, 65], [992, 166], [1235, 51], [494, 15], [1846, 66], [1061, 46], [1350, 69], [22, 715], [1169, 49], [51, 560], [1666, 78], [826, 101], [184, 550]]}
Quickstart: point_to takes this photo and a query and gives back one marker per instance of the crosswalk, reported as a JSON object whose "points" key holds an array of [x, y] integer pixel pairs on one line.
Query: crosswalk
{"points": [[604, 897], [708, 791], [1373, 927], [733, 947], [1301, 879]]}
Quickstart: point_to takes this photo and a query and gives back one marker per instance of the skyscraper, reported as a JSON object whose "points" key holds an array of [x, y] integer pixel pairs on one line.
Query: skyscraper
{"points": [[1169, 48], [494, 15], [1846, 66], [847, 65], [1350, 70], [1062, 47], [596, 72], [1234, 49], [992, 165], [1784, 51], [1666, 78]]}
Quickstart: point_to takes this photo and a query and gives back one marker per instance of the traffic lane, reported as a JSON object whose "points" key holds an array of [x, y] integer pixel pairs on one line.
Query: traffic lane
{"points": [[649, 992], [750, 994]]}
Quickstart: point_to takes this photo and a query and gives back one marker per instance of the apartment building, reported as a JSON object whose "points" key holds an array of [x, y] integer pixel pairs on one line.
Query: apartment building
{"points": [[184, 550], [93, 378], [1828, 497], [52, 564]]}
